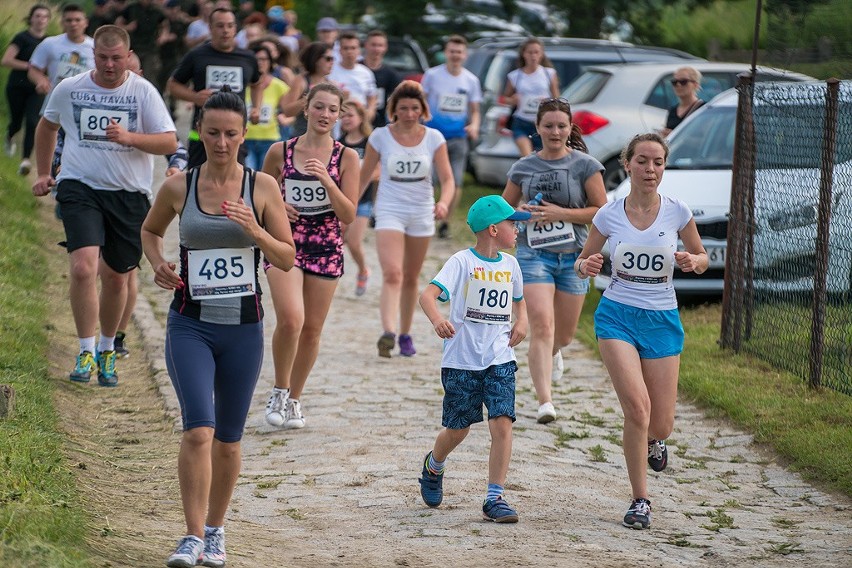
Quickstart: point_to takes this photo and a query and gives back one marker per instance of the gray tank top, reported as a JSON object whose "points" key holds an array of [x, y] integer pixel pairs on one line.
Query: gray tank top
{"points": [[200, 231]]}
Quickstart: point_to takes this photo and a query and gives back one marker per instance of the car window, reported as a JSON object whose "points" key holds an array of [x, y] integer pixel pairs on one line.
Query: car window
{"points": [[791, 129], [706, 141], [663, 96], [402, 57], [478, 61], [586, 87]]}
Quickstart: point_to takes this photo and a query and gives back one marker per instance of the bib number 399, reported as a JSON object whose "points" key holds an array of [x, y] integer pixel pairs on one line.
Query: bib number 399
{"points": [[221, 273]]}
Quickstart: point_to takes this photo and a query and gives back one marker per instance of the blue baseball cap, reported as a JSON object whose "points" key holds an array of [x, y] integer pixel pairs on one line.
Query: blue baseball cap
{"points": [[490, 210], [327, 24]]}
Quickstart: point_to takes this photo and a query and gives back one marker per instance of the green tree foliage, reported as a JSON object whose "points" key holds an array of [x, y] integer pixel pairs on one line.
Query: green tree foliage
{"points": [[401, 18]]}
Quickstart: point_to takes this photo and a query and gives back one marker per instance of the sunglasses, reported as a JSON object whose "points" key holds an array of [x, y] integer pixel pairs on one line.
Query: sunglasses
{"points": [[681, 82], [557, 101]]}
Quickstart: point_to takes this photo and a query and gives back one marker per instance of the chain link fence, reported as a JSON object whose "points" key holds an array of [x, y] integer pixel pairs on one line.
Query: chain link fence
{"points": [[788, 274]]}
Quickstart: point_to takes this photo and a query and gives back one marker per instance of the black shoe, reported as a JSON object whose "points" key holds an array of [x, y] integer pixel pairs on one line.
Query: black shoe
{"points": [[658, 455], [120, 350], [638, 515], [443, 230]]}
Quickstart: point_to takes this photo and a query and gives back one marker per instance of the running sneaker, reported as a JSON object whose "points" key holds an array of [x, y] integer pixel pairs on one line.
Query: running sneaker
{"points": [[187, 554], [499, 511], [444, 230], [546, 413], [295, 419], [107, 376], [11, 147], [276, 407], [431, 485], [558, 367], [214, 547], [406, 346], [361, 284], [638, 515], [84, 368], [658, 455], [120, 350], [386, 343], [25, 167]]}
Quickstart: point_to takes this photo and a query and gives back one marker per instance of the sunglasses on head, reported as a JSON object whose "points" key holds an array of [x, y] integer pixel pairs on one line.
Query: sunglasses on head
{"points": [[681, 82], [558, 101]]}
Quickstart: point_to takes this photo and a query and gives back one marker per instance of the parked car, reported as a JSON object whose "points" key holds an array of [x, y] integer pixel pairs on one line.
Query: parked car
{"points": [[786, 192], [570, 57], [612, 103], [406, 56]]}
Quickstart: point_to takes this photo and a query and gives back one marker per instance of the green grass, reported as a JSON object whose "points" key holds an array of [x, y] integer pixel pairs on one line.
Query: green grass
{"points": [[810, 430], [41, 519]]}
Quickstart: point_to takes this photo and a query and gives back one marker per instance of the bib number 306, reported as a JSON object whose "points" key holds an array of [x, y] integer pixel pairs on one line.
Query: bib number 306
{"points": [[221, 273]]}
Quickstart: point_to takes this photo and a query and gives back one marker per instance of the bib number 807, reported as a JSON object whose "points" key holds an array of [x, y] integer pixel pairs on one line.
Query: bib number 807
{"points": [[493, 298], [220, 269], [643, 261]]}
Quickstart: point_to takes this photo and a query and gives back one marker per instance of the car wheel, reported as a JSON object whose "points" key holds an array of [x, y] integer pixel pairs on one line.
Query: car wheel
{"points": [[613, 175]]}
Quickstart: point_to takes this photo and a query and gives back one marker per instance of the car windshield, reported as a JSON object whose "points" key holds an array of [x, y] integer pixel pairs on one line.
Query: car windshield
{"points": [[706, 142], [586, 87]]}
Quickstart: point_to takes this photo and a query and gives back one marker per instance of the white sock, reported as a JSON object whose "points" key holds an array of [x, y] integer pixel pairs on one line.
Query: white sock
{"points": [[87, 344], [106, 344], [285, 391]]}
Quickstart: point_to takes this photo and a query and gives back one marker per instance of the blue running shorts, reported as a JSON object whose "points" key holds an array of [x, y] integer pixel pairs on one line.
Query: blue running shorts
{"points": [[465, 391], [654, 333]]}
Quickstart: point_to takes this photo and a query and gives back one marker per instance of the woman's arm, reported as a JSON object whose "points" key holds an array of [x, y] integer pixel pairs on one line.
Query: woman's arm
{"points": [[694, 258], [294, 102], [166, 206], [512, 193], [9, 59], [441, 159], [590, 261], [368, 166]]}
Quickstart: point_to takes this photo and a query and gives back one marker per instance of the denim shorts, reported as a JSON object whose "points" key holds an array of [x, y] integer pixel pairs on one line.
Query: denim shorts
{"points": [[557, 268], [465, 391], [654, 333], [364, 209], [525, 129]]}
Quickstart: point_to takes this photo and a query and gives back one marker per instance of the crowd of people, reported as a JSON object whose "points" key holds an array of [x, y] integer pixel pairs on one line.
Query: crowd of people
{"points": [[290, 158]]}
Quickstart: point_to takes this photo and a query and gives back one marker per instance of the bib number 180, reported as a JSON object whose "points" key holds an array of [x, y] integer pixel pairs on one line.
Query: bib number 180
{"points": [[493, 298]]}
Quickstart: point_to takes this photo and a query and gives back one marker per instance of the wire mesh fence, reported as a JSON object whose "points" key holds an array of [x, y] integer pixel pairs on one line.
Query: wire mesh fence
{"points": [[788, 277]]}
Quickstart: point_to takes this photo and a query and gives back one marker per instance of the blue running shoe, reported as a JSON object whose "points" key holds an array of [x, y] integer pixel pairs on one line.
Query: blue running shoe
{"points": [[638, 515], [107, 377], [499, 511], [84, 368], [431, 485], [214, 547]]}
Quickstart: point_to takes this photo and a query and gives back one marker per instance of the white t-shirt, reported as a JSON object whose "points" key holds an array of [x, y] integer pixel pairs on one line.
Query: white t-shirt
{"points": [[405, 185], [449, 97], [197, 29], [84, 110], [359, 81], [62, 58], [643, 261], [478, 286], [531, 89]]}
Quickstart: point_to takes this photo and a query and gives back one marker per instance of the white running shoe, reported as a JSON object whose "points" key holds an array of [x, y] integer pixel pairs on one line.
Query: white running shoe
{"points": [[558, 367], [546, 413], [187, 554], [295, 419], [25, 167], [275, 407]]}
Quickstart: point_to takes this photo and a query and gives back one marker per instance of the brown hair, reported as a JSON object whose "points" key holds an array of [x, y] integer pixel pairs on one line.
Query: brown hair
{"points": [[630, 149], [366, 128], [377, 33], [348, 36], [326, 88], [575, 139], [407, 90], [111, 36], [455, 38], [545, 61]]}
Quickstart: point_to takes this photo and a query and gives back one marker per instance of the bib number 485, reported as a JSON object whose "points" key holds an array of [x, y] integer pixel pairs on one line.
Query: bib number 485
{"points": [[218, 268]]}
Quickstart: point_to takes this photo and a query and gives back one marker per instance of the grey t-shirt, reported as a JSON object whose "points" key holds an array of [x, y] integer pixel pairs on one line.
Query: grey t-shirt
{"points": [[559, 181]]}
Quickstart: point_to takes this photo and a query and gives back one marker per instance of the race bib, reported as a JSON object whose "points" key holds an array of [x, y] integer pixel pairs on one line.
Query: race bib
{"points": [[265, 114], [380, 97], [308, 197], [643, 264], [453, 104], [221, 273], [530, 105], [408, 167], [220, 75], [488, 302], [94, 122], [551, 233], [66, 69]]}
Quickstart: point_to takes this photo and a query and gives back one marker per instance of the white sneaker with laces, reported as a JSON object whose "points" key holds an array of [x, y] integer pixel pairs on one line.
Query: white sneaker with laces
{"points": [[187, 554], [214, 547], [295, 419], [25, 167], [275, 407], [546, 413], [558, 367]]}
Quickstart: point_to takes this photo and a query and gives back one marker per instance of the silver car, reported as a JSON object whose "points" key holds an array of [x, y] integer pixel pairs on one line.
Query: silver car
{"points": [[610, 104]]}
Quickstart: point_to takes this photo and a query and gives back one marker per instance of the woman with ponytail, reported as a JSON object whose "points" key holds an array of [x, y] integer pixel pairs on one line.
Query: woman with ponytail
{"points": [[563, 188]]}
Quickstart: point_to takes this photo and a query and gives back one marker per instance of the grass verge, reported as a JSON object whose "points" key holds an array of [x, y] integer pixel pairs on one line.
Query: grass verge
{"points": [[810, 430], [41, 520]]}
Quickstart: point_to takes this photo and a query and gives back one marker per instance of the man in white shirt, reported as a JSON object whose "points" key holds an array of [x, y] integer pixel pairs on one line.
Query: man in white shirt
{"points": [[356, 80], [115, 121], [65, 55], [454, 94]]}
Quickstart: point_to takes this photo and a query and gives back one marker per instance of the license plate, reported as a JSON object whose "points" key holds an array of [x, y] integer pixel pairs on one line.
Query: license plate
{"points": [[716, 255]]}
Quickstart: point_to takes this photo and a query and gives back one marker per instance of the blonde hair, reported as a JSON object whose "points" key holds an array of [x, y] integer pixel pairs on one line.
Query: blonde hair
{"points": [[692, 73], [111, 36], [365, 128]]}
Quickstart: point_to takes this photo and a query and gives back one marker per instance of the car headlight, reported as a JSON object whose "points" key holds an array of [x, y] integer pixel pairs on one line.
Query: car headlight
{"points": [[801, 216]]}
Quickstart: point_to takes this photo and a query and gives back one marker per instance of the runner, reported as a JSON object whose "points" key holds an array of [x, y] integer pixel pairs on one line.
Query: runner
{"points": [[68, 54], [356, 130], [409, 154], [478, 363], [316, 60], [260, 136], [356, 80], [210, 66], [117, 120], [637, 323], [571, 186], [387, 79], [23, 99], [319, 183], [533, 80], [229, 215], [454, 94]]}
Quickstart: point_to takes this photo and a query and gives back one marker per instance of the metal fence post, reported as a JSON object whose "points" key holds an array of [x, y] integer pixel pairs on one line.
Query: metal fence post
{"points": [[826, 180]]}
